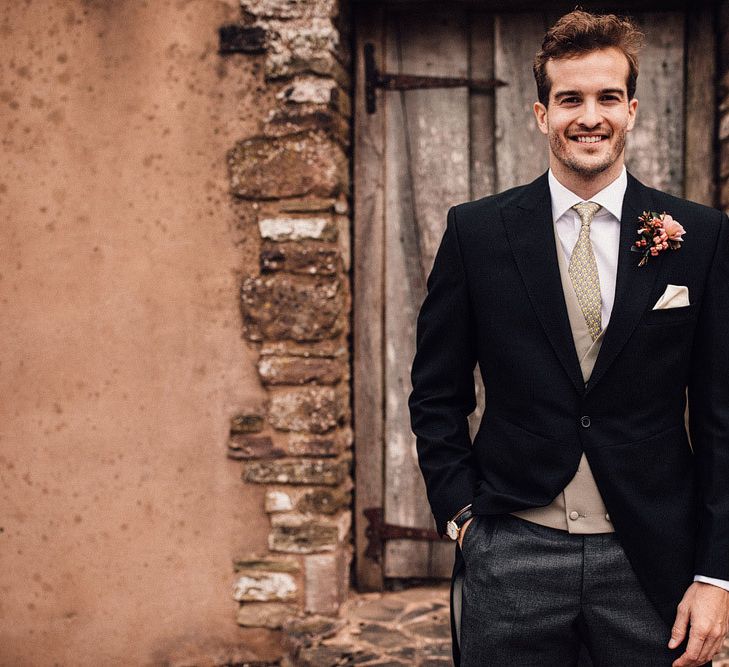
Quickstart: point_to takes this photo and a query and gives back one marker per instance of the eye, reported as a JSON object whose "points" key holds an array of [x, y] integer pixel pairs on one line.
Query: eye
{"points": [[570, 100], [611, 98]]}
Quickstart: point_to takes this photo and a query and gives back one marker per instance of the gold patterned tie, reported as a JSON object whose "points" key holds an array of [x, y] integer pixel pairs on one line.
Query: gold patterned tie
{"points": [[583, 270]]}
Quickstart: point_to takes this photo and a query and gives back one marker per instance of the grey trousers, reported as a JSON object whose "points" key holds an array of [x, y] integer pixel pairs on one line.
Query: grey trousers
{"points": [[534, 595]]}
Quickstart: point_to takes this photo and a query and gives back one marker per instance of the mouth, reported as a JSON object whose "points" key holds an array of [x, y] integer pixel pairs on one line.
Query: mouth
{"points": [[588, 138]]}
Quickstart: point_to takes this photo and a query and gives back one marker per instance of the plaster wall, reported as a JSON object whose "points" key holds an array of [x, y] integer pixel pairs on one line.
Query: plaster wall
{"points": [[121, 360]]}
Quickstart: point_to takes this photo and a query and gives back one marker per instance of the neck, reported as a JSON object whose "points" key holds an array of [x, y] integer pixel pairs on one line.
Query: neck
{"points": [[584, 186]]}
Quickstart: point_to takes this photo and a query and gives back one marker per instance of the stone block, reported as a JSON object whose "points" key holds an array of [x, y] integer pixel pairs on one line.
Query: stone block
{"points": [[250, 422], [307, 538], [329, 349], [290, 120], [279, 500], [301, 308], [317, 500], [271, 615], [311, 46], [310, 409], [236, 38], [301, 258], [296, 229], [291, 9], [324, 501], [326, 472], [332, 443], [244, 446], [325, 583], [307, 89], [342, 521], [301, 370], [308, 163], [264, 587]]}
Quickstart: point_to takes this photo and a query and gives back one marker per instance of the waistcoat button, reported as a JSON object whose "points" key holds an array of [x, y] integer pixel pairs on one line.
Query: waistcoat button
{"points": [[574, 515]]}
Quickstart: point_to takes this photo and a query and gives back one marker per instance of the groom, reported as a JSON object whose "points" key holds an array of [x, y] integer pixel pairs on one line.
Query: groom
{"points": [[591, 303]]}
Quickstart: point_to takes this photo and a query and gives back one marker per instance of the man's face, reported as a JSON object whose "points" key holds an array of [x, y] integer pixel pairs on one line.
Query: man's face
{"points": [[589, 113]]}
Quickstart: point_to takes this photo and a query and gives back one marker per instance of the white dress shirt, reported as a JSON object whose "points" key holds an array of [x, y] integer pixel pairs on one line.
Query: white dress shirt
{"points": [[605, 238]]}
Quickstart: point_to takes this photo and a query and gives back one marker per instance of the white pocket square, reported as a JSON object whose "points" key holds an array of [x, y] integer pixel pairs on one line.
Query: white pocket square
{"points": [[675, 296]]}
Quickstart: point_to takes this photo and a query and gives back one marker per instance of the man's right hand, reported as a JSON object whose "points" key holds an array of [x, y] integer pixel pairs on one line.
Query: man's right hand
{"points": [[462, 532]]}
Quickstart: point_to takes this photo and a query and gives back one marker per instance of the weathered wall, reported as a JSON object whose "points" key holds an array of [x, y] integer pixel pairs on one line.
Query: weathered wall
{"points": [[122, 360]]}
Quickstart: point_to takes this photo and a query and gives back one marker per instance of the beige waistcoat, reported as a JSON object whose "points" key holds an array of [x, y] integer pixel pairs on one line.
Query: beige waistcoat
{"points": [[579, 508]]}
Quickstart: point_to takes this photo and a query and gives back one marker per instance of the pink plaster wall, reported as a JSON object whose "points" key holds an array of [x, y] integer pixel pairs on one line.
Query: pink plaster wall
{"points": [[121, 359]]}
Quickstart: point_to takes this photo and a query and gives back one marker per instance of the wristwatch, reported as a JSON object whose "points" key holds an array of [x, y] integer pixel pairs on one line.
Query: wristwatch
{"points": [[453, 527]]}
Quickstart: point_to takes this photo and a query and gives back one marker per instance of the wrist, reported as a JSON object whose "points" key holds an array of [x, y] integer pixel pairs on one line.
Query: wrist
{"points": [[454, 526]]}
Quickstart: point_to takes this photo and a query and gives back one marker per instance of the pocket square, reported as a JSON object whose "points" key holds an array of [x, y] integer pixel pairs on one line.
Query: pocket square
{"points": [[675, 296]]}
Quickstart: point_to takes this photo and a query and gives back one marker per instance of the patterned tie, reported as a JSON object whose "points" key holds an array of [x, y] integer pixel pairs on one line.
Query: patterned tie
{"points": [[583, 270]]}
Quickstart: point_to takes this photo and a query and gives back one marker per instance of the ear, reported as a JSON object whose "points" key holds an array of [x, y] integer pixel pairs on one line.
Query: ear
{"points": [[632, 112], [540, 113]]}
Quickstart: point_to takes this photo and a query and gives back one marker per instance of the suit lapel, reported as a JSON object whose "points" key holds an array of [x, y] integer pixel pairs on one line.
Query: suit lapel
{"points": [[530, 231], [633, 283]]}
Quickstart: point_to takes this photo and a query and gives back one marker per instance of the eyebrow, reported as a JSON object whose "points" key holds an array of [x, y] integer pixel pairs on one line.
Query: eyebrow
{"points": [[604, 91]]}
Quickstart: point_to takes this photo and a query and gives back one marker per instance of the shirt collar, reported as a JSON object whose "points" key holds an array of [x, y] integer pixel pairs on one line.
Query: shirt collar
{"points": [[610, 197]]}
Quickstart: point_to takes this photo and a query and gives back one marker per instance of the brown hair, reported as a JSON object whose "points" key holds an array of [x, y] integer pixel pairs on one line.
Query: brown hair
{"points": [[580, 32]]}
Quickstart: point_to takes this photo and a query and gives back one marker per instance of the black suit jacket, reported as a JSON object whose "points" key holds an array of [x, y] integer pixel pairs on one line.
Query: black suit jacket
{"points": [[495, 298]]}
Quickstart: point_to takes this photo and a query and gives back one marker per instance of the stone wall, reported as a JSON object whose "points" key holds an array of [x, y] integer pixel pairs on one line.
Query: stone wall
{"points": [[290, 186]]}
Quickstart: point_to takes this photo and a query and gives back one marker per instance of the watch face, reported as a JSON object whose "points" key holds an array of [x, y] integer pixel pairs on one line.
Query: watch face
{"points": [[452, 530]]}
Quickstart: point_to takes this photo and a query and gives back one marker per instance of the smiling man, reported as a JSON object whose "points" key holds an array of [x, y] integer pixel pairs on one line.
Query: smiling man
{"points": [[583, 514]]}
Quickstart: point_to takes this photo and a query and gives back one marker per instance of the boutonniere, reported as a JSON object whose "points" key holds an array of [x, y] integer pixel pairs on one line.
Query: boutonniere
{"points": [[657, 233]]}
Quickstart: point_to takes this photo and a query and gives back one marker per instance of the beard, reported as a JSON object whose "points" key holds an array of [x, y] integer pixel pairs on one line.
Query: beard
{"points": [[560, 147]]}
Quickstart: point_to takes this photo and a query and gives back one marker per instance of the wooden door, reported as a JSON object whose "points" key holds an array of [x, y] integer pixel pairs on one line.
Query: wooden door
{"points": [[422, 151]]}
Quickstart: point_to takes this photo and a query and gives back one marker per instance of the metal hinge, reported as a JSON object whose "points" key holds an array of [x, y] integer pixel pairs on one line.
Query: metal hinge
{"points": [[376, 79], [378, 532]]}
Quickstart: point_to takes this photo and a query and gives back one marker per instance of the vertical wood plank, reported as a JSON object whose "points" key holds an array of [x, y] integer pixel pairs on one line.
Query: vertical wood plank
{"points": [[482, 124], [701, 101], [368, 279], [521, 149], [427, 170], [654, 149]]}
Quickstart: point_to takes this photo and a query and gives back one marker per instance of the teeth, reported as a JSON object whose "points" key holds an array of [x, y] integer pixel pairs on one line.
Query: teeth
{"points": [[589, 140]]}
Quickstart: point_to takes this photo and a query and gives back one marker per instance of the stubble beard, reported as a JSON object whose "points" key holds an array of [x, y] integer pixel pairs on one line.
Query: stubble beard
{"points": [[559, 145]]}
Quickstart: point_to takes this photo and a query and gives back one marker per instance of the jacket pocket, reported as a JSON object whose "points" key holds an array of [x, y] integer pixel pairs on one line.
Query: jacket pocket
{"points": [[671, 315]]}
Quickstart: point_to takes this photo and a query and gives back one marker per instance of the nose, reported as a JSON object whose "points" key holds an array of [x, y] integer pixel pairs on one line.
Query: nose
{"points": [[590, 116]]}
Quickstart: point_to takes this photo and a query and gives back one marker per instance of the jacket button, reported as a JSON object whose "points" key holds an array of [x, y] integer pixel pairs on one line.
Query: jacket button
{"points": [[585, 421], [574, 515], [607, 517]]}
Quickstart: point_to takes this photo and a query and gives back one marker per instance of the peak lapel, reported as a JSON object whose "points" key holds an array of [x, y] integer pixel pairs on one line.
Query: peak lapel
{"points": [[633, 283], [530, 231]]}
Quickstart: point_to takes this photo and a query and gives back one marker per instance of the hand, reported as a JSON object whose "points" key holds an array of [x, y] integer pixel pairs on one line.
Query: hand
{"points": [[462, 532], [706, 607]]}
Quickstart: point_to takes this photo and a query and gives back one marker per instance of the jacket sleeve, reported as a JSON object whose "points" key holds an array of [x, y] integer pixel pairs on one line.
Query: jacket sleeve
{"points": [[443, 393], [709, 415]]}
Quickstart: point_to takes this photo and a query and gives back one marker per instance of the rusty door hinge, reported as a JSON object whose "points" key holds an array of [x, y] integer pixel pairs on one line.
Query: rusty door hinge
{"points": [[378, 532], [376, 79]]}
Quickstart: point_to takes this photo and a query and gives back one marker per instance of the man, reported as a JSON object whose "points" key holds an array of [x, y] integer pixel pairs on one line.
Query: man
{"points": [[583, 514]]}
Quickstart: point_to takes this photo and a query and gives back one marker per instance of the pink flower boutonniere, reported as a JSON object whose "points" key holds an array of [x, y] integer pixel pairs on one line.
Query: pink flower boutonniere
{"points": [[657, 233]]}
